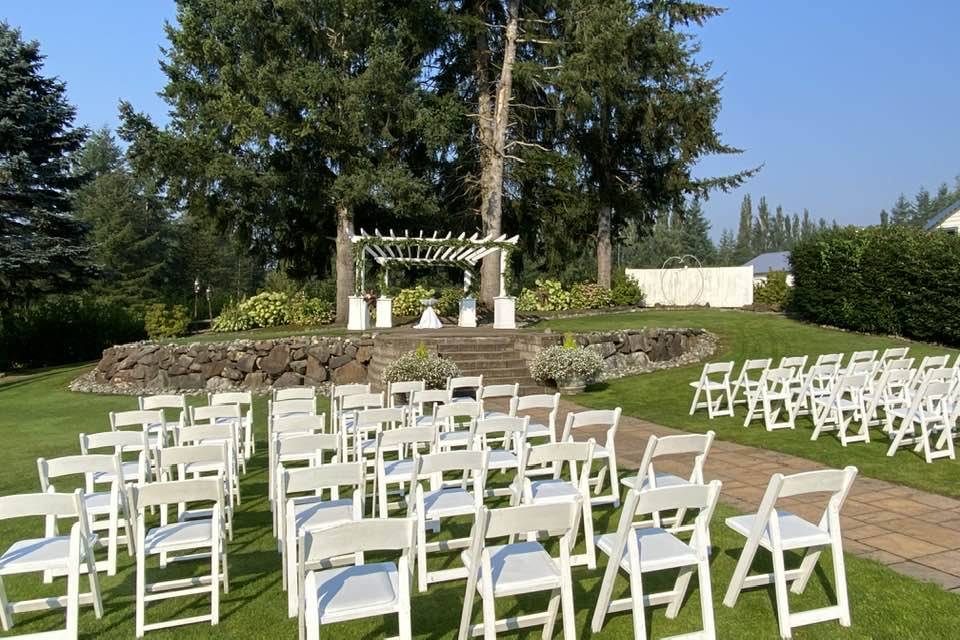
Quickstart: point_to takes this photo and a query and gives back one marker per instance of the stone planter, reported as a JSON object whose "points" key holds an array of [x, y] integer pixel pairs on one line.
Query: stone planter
{"points": [[572, 386]]}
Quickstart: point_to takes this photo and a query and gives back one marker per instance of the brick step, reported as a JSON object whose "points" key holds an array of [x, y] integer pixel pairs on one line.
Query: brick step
{"points": [[479, 355], [489, 364]]}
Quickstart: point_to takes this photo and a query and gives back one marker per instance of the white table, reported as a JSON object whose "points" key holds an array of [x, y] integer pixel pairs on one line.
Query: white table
{"points": [[429, 318]]}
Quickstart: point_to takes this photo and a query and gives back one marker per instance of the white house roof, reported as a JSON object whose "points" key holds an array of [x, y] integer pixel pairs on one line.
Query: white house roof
{"points": [[767, 262], [943, 215]]}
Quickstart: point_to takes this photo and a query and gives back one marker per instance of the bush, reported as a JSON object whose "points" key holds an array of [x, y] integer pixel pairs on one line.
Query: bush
{"points": [[562, 363], [449, 302], [590, 296], [548, 296], [62, 330], [163, 321], [407, 302], [626, 292], [232, 318], [773, 293], [304, 310], [267, 309], [421, 365], [888, 279]]}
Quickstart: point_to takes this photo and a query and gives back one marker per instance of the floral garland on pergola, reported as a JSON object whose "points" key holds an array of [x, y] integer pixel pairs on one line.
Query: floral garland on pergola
{"points": [[461, 252]]}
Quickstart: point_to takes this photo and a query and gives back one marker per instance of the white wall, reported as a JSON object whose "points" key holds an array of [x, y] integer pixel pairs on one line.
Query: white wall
{"points": [[952, 223], [716, 286]]}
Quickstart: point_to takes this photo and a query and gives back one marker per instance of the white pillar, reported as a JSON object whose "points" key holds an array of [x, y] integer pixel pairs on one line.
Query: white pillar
{"points": [[358, 318], [503, 269], [504, 312], [384, 312], [468, 313], [467, 280]]}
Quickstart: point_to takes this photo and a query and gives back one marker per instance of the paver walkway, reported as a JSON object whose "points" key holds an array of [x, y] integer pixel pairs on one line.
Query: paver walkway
{"points": [[911, 531]]}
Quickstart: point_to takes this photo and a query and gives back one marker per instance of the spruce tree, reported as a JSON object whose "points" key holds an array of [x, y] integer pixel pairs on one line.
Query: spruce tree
{"points": [[744, 246], [43, 247]]}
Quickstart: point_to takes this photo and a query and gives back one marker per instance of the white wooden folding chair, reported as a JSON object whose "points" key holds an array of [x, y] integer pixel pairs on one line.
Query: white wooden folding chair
{"points": [[400, 394], [773, 398], [779, 531], [294, 393], [203, 538], [837, 411], [228, 416], [798, 364], [928, 413], [456, 422], [219, 434], [123, 443], [425, 404], [288, 426], [928, 363], [554, 455], [638, 549], [894, 353], [817, 382], [516, 568], [362, 590], [829, 359], [244, 400], [337, 393], [860, 357], [526, 406], [647, 478], [714, 383], [442, 500], [506, 392], [69, 555], [404, 444], [504, 439], [303, 506], [890, 391], [106, 511], [152, 421], [350, 406], [464, 388], [606, 453], [173, 405], [748, 378], [359, 443], [193, 461], [291, 408], [309, 449]]}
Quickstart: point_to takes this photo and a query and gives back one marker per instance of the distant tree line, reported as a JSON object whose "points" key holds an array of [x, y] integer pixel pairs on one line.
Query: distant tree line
{"points": [[918, 211]]}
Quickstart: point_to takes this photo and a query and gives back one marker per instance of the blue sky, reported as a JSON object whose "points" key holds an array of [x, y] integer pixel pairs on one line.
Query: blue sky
{"points": [[846, 104]]}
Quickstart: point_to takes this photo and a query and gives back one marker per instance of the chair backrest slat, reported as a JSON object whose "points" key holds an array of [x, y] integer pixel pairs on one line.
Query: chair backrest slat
{"points": [[24, 505], [135, 418], [374, 534], [508, 521]]}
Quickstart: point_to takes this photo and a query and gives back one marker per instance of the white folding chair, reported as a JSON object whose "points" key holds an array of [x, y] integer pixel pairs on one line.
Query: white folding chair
{"points": [[606, 452], [817, 382], [337, 393], [779, 531], [219, 434], [351, 405], [290, 408], [860, 357], [829, 359], [442, 500], [294, 393], [464, 388], [244, 400], [525, 406], [365, 429], [890, 391], [894, 353], [425, 404], [400, 394], [68, 555], [136, 471], [798, 364], [504, 440], [226, 415], [559, 489], [714, 382], [110, 504], [928, 363], [515, 568], [844, 405], [152, 421], [314, 449], [405, 443], [495, 391], [928, 413], [359, 591], [774, 397], [194, 461], [203, 538], [172, 404], [456, 422], [637, 550], [299, 512], [748, 379]]}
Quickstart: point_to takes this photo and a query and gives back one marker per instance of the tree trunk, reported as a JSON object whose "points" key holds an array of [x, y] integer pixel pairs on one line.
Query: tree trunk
{"points": [[346, 277], [604, 246], [494, 119]]}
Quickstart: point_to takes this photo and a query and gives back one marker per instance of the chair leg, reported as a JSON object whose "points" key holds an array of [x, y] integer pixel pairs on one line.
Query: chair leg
{"points": [[590, 546], [696, 397], [780, 590], [569, 613], [466, 614], [421, 555], [552, 609], [489, 609], [215, 580], [614, 481], [141, 588], [680, 590], [6, 618], [810, 559], [606, 592], [636, 602], [740, 574], [706, 600]]}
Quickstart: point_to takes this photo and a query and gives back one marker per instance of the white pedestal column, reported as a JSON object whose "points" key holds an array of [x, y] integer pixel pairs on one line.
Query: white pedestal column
{"points": [[384, 312], [504, 312], [358, 318], [468, 313]]}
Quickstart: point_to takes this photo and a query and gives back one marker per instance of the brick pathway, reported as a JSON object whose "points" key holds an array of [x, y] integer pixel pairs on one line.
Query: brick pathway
{"points": [[911, 531]]}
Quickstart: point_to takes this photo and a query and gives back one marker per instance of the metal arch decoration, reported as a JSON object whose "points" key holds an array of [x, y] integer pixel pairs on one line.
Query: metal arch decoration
{"points": [[670, 290]]}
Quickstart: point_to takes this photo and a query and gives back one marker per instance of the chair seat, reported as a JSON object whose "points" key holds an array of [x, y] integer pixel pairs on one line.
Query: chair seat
{"points": [[844, 404], [402, 469], [545, 491], [322, 512], [443, 503], [712, 386], [538, 429], [494, 414], [202, 467], [795, 532], [130, 472], [180, 535], [659, 550], [355, 591], [98, 503], [38, 554], [455, 437], [502, 459], [521, 567], [423, 421], [663, 479]]}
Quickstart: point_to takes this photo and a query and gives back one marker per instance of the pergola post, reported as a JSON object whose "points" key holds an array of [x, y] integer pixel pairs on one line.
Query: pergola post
{"points": [[504, 306]]}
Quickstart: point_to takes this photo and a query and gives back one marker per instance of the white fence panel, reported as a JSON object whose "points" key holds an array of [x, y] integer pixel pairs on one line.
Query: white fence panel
{"points": [[716, 286]]}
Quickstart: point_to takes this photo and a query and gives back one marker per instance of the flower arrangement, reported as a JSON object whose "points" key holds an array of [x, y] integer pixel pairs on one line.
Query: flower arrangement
{"points": [[567, 365], [420, 364]]}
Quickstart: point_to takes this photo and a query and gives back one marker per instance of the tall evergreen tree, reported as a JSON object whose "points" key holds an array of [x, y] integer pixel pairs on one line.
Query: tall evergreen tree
{"points": [[744, 250], [695, 233], [807, 227], [43, 247], [727, 249], [762, 228]]}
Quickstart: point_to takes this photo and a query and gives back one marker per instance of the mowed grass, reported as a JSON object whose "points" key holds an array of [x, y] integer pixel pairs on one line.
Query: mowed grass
{"points": [[664, 396], [39, 417]]}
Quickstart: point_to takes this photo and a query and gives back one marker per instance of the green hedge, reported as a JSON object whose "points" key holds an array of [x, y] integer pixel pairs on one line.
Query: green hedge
{"points": [[64, 330], [888, 279]]}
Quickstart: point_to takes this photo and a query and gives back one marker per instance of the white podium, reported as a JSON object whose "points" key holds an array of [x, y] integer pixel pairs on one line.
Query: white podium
{"points": [[358, 318], [384, 312], [468, 313], [504, 312]]}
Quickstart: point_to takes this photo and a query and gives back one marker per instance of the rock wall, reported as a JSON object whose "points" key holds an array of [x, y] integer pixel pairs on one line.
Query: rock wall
{"points": [[218, 366]]}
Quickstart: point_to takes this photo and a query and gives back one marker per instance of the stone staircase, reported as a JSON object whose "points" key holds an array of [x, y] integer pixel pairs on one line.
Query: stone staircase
{"points": [[497, 358]]}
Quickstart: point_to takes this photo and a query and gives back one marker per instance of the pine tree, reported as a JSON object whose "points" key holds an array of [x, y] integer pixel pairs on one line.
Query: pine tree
{"points": [[902, 211], [778, 241], [884, 217], [727, 249], [695, 232], [796, 234], [787, 231], [807, 228], [43, 247], [744, 246], [762, 230]]}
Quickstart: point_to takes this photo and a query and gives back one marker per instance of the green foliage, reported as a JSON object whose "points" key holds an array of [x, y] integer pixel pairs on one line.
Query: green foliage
{"points": [[569, 341], [448, 304], [421, 365], [548, 295], [232, 318], [267, 309], [64, 329], [306, 311], [166, 321], [407, 302], [892, 279], [561, 364], [625, 291], [590, 296], [773, 293]]}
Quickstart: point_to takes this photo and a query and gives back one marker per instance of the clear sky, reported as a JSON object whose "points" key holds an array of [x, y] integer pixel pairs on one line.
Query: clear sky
{"points": [[845, 103]]}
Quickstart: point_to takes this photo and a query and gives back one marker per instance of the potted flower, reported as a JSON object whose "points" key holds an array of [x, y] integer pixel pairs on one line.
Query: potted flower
{"points": [[567, 366]]}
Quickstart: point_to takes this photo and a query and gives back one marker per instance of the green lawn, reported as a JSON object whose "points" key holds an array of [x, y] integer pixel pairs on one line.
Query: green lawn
{"points": [[664, 396], [39, 417]]}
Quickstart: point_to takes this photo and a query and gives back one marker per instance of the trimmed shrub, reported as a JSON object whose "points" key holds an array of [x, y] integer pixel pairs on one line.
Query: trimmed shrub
{"points": [[563, 363], [407, 302], [64, 329], [888, 279], [773, 293], [267, 309], [305, 311], [625, 292], [163, 321], [449, 302], [421, 365], [590, 296], [548, 296], [232, 318]]}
